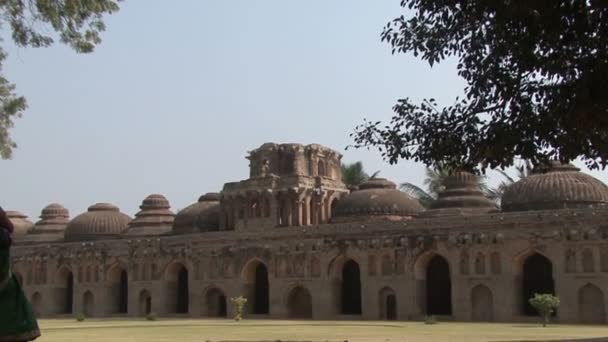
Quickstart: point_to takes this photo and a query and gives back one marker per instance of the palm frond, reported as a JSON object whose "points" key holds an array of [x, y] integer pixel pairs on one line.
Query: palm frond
{"points": [[426, 199]]}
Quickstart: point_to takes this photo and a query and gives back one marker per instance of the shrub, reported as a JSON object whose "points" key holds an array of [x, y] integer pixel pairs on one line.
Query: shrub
{"points": [[239, 307], [545, 304], [430, 320], [151, 317], [80, 317]]}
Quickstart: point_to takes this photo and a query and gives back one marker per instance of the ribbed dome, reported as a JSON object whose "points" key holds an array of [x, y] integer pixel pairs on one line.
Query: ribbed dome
{"points": [[20, 222], [462, 196], [377, 197], [201, 216], [102, 220], [559, 186], [155, 218]]}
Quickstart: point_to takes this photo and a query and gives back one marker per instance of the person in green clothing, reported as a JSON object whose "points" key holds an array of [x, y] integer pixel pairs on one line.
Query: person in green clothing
{"points": [[17, 320]]}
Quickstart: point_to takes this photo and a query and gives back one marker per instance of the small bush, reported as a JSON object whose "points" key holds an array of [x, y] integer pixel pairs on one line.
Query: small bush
{"points": [[545, 304], [239, 307], [151, 317], [430, 320], [80, 317]]}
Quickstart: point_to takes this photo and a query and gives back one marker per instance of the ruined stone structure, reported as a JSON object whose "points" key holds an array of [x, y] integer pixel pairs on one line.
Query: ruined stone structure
{"points": [[298, 244]]}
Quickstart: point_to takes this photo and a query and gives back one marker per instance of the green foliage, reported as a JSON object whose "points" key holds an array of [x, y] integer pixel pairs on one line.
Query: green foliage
{"points": [[430, 320], [239, 307], [354, 174], [151, 317], [535, 76], [77, 23], [80, 317], [545, 304]]}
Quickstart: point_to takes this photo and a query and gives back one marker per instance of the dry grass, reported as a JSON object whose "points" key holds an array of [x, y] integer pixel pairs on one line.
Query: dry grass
{"points": [[200, 330]]}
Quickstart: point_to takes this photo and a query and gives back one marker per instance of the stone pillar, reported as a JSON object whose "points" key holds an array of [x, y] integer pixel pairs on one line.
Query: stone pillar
{"points": [[298, 213]]}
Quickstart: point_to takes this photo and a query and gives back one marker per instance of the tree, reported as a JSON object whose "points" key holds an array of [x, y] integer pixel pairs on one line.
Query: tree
{"points": [[545, 304], [536, 74], [354, 174], [77, 24], [239, 307], [524, 169]]}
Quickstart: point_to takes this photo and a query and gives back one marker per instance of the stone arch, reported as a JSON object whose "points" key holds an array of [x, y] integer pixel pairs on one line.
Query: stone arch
{"points": [[386, 265], [299, 303], [588, 262], [433, 272], [88, 304], [177, 288], [591, 307], [495, 263], [387, 304], [257, 286], [64, 299], [145, 302], [332, 206], [117, 282], [464, 262], [537, 277], [482, 304], [570, 261], [37, 303], [215, 304], [351, 288]]}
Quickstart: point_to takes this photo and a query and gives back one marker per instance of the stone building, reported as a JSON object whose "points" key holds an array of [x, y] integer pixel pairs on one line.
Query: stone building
{"points": [[298, 244]]}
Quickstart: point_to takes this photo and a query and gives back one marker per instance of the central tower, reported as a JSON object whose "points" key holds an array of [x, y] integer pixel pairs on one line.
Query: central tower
{"points": [[289, 185]]}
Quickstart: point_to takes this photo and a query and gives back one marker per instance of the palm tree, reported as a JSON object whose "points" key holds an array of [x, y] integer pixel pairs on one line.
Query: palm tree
{"points": [[353, 175], [524, 169]]}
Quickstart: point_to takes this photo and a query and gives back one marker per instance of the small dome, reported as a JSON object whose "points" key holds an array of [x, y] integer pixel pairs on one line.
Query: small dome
{"points": [[377, 197], [155, 218], [201, 216], [102, 220], [51, 226], [20, 222], [462, 196], [558, 186]]}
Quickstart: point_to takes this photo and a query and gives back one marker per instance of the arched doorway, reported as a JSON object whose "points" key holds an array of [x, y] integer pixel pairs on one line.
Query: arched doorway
{"points": [[118, 288], [438, 287], [257, 288], [216, 303], [591, 308], [177, 299], [482, 305], [388, 304], [537, 278], [37, 303], [88, 304], [145, 303], [351, 288], [64, 299], [299, 303]]}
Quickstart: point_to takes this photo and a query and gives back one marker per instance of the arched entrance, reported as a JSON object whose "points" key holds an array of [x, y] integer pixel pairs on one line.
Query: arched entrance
{"points": [[299, 303], [438, 287], [177, 289], [591, 308], [118, 288], [37, 303], [351, 288], [257, 287], [388, 304], [482, 305], [537, 278], [64, 298], [145, 303], [216, 303], [88, 304]]}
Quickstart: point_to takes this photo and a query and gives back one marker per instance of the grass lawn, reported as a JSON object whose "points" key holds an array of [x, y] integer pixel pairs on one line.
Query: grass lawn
{"points": [[202, 330]]}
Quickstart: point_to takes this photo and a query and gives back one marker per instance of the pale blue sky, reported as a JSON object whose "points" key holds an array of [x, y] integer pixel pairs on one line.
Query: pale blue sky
{"points": [[179, 91]]}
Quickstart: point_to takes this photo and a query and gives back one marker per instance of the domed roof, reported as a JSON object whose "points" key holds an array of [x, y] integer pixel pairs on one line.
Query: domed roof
{"points": [[558, 186], [102, 220], [462, 196], [201, 216], [20, 222], [377, 197], [51, 226], [154, 218]]}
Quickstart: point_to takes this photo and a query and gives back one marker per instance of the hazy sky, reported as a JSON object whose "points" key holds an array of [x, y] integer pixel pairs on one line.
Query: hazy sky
{"points": [[179, 91]]}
